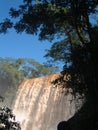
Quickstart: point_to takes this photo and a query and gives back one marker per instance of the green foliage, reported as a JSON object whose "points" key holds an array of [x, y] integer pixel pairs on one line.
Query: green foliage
{"points": [[63, 49], [14, 71], [52, 17], [7, 120], [32, 69], [69, 19]]}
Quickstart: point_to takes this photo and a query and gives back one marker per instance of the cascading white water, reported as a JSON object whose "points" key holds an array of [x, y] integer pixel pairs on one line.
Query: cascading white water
{"points": [[41, 106]]}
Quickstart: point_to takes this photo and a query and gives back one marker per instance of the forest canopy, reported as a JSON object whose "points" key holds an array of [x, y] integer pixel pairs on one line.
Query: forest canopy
{"points": [[14, 71]]}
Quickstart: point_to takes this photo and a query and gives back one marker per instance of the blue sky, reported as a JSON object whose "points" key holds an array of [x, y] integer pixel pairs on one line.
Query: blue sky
{"points": [[20, 45]]}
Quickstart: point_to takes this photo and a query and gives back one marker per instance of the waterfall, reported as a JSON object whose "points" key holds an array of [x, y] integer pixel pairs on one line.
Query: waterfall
{"points": [[41, 106]]}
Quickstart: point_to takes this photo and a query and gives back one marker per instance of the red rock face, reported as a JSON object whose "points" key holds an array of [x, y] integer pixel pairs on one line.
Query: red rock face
{"points": [[41, 106]]}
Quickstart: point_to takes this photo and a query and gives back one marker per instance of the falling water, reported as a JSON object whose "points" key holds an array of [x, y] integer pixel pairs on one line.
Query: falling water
{"points": [[41, 106]]}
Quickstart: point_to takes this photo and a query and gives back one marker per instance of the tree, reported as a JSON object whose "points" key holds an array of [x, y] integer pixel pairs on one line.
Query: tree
{"points": [[7, 120], [72, 21], [33, 69], [69, 18], [14, 71]]}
